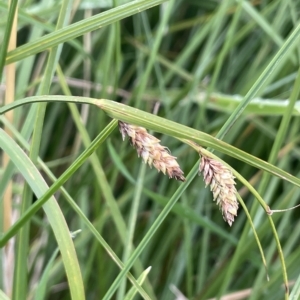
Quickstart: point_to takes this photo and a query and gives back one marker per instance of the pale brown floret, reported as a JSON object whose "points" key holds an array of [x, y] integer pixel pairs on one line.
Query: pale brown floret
{"points": [[151, 151], [222, 185]]}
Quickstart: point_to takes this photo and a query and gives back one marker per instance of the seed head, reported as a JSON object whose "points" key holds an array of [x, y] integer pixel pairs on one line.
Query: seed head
{"points": [[151, 151], [222, 185]]}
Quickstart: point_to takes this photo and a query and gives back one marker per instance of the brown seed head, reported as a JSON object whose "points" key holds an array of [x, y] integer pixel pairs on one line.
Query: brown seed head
{"points": [[151, 151], [222, 185]]}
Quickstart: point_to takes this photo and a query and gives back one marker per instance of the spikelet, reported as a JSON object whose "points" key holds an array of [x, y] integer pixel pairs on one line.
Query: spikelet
{"points": [[151, 151], [222, 185]]}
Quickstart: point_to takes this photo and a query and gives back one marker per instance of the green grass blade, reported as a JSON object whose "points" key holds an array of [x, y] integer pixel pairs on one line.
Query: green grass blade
{"points": [[63, 178], [134, 116], [40, 292], [150, 233], [8, 28], [283, 51], [77, 29], [51, 208], [249, 9], [137, 117], [150, 63], [20, 274], [179, 209], [257, 106], [132, 292], [85, 220]]}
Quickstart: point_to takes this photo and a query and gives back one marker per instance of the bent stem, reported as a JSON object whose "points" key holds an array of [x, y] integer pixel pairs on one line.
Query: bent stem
{"points": [[60, 181], [134, 116], [261, 202], [138, 117]]}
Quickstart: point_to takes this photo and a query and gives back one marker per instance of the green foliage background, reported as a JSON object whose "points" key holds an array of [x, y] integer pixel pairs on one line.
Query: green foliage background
{"points": [[227, 68]]}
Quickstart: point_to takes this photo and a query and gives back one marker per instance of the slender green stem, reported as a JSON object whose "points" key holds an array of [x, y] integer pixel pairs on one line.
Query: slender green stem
{"points": [[61, 180], [83, 217], [134, 116], [287, 46], [150, 233], [7, 34], [79, 28]]}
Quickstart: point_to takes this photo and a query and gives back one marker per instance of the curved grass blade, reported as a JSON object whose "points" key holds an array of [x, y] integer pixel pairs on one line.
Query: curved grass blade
{"points": [[267, 210], [179, 209], [138, 117], [20, 287], [52, 210], [132, 292], [7, 34], [54, 187], [286, 47], [41, 289], [79, 28], [257, 106], [164, 213], [77, 210]]}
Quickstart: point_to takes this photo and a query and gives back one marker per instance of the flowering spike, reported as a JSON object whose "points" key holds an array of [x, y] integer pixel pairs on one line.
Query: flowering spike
{"points": [[222, 185], [151, 151]]}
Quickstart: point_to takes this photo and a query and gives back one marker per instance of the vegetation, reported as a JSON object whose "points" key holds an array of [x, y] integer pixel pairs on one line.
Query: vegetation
{"points": [[205, 92]]}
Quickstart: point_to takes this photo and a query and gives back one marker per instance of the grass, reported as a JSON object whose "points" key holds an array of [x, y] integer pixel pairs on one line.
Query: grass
{"points": [[224, 75]]}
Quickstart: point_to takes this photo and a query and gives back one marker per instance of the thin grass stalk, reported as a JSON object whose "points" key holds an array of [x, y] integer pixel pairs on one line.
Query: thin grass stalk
{"points": [[87, 44], [272, 158], [140, 88], [9, 98], [279, 139], [102, 180], [51, 208], [188, 240], [289, 44], [249, 186], [131, 224], [131, 293], [20, 281], [234, 260], [86, 221], [106, 102], [128, 114], [255, 234], [134, 116], [9, 253], [217, 24], [164, 213], [61, 180], [79, 28], [225, 49], [13, 4], [157, 68]]}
